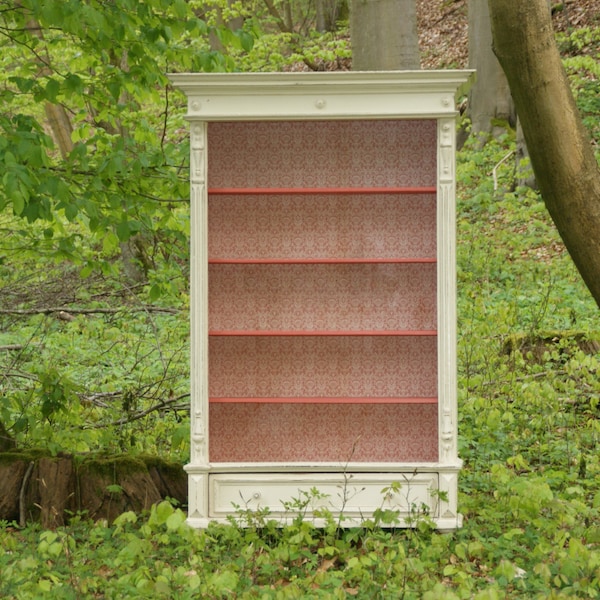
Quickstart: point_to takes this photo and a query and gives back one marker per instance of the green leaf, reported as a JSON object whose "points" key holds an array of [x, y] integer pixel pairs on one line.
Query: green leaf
{"points": [[175, 521], [246, 40], [18, 203], [180, 8], [155, 292], [110, 243], [123, 231], [44, 585], [52, 90], [224, 582], [71, 211], [73, 83], [114, 87], [24, 84], [163, 510]]}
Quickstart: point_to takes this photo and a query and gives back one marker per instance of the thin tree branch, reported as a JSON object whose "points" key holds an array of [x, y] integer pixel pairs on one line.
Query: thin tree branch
{"points": [[283, 26], [86, 311], [10, 347], [170, 404]]}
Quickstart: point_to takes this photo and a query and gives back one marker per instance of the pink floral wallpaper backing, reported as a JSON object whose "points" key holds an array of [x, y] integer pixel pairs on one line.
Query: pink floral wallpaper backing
{"points": [[323, 382], [323, 367], [368, 153], [323, 433], [357, 297], [322, 226]]}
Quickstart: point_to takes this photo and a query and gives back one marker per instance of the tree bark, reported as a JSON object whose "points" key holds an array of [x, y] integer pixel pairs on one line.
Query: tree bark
{"points": [[559, 145], [58, 118], [327, 11], [384, 35], [490, 101], [6, 440]]}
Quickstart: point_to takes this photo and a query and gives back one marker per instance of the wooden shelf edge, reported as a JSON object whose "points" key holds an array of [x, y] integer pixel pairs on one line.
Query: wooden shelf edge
{"points": [[293, 333], [329, 400], [312, 261], [318, 190]]}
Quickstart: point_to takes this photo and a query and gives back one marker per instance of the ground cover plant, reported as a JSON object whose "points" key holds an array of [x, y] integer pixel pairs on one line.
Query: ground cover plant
{"points": [[529, 430], [89, 364]]}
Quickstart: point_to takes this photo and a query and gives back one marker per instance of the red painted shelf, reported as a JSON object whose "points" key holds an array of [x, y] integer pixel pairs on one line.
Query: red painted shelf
{"points": [[329, 400], [313, 191], [291, 333], [314, 261]]}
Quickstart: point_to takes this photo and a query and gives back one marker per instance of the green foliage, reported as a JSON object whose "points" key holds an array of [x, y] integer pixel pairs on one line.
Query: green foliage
{"points": [[581, 48], [107, 366], [97, 363], [119, 173], [284, 51]]}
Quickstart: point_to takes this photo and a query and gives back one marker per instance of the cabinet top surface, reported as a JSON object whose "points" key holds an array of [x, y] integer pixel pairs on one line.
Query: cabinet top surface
{"points": [[322, 95]]}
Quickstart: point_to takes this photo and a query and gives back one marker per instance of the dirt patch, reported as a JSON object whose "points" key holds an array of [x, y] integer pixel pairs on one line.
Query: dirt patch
{"points": [[443, 28]]}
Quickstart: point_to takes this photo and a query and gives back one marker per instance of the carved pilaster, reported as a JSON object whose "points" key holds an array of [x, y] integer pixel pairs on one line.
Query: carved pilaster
{"points": [[199, 296], [446, 237]]}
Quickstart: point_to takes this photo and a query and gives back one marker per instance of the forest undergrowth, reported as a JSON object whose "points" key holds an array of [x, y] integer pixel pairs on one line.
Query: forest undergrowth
{"points": [[100, 364], [529, 395]]}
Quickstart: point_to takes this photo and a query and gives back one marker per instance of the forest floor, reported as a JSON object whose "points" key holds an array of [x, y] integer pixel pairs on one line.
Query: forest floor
{"points": [[529, 419], [443, 28]]}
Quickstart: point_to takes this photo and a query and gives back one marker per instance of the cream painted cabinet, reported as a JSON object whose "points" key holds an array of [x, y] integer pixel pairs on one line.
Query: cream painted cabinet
{"points": [[323, 292]]}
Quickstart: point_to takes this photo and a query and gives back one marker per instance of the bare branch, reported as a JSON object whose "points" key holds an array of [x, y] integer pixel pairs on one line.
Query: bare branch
{"points": [[14, 347], [281, 23], [86, 311], [170, 404]]}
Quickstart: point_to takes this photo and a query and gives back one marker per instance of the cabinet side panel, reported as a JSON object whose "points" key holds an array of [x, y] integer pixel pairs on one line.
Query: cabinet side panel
{"points": [[323, 433], [447, 378]]}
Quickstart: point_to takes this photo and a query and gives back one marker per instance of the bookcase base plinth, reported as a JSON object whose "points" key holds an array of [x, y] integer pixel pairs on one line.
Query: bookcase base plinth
{"points": [[350, 497]]}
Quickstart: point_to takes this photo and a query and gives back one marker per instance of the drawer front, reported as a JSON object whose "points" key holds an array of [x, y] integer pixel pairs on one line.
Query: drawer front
{"points": [[354, 494]]}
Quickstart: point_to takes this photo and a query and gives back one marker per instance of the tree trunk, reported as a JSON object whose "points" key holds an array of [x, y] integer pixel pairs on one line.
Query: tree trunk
{"points": [[6, 440], [524, 174], [327, 11], [490, 101], [52, 489], [384, 35], [58, 118], [559, 145]]}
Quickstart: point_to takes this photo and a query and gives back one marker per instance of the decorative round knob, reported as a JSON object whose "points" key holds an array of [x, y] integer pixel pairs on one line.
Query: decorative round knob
{"points": [[320, 103], [256, 495], [195, 105]]}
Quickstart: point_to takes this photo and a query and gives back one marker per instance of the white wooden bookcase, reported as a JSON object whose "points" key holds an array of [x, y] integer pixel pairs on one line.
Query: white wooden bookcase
{"points": [[323, 311]]}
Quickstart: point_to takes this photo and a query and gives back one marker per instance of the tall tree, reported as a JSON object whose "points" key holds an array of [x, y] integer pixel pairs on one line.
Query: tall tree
{"points": [[490, 100], [384, 35], [327, 14], [559, 145]]}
